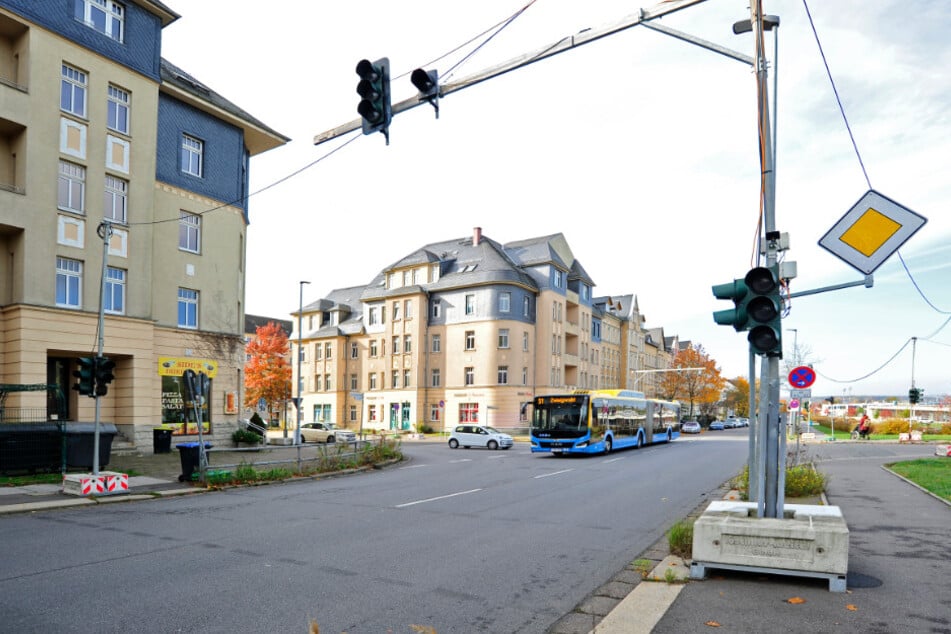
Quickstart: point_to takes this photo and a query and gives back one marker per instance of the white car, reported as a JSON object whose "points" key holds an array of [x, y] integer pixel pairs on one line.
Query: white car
{"points": [[690, 427], [479, 436], [325, 432]]}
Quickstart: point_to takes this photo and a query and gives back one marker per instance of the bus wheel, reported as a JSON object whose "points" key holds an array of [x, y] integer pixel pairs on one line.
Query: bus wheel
{"points": [[607, 445], [669, 435], [640, 442]]}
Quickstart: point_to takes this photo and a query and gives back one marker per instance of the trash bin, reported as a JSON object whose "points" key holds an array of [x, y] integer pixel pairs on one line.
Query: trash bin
{"points": [[80, 442], [190, 453], [162, 441], [30, 447]]}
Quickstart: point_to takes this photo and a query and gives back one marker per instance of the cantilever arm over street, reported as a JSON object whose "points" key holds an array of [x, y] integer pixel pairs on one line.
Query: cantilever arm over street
{"points": [[585, 36]]}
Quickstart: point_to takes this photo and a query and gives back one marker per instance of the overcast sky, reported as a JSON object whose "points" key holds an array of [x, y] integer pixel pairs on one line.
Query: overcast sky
{"points": [[641, 149]]}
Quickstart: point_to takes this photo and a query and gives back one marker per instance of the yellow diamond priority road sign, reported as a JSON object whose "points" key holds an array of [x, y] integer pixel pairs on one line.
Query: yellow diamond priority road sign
{"points": [[874, 228]]}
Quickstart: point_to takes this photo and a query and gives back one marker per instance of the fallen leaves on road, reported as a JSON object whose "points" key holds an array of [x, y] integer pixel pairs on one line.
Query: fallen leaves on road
{"points": [[795, 600], [852, 608], [712, 624]]}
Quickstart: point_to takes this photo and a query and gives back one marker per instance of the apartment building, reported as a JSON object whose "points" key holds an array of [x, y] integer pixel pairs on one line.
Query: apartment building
{"points": [[467, 330], [121, 174]]}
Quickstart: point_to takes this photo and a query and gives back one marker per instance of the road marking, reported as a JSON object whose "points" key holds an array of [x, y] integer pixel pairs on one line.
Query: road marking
{"points": [[494, 457], [441, 497], [415, 466], [545, 475], [613, 460], [460, 460]]}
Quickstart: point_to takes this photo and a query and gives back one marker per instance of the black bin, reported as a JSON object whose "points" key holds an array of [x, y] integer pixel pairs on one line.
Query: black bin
{"points": [[162, 441], [30, 447], [190, 453], [81, 440]]}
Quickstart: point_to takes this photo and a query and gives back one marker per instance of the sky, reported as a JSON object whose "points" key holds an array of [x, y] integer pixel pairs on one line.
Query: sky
{"points": [[640, 148]]}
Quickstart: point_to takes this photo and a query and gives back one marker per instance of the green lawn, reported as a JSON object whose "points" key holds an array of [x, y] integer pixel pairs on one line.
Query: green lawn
{"points": [[933, 474], [845, 433]]}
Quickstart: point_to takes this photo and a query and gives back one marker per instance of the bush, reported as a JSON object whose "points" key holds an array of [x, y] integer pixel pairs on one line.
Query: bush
{"points": [[680, 539], [801, 481], [246, 436]]}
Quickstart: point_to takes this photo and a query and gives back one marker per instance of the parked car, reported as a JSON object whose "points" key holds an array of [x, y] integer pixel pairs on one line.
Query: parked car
{"points": [[730, 423], [743, 422], [716, 425], [479, 436], [690, 427], [325, 432]]}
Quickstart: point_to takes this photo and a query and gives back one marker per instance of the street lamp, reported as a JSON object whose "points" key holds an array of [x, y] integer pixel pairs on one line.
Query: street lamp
{"points": [[300, 379]]}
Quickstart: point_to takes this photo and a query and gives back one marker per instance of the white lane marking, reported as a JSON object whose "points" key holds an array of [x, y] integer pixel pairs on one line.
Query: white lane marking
{"points": [[545, 475], [460, 460], [441, 497], [415, 466], [613, 460], [494, 457]]}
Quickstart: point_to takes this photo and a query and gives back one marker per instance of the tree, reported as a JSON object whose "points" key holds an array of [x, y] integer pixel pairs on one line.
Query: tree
{"points": [[701, 387], [267, 373], [737, 396]]}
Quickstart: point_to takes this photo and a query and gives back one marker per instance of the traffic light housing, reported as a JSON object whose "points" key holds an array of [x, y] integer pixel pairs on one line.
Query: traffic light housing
{"points": [[105, 373], [86, 373], [736, 316], [914, 395], [374, 91], [427, 83], [764, 311]]}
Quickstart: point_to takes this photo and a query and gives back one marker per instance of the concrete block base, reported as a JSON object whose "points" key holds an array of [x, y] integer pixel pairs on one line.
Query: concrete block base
{"points": [[810, 540], [106, 483]]}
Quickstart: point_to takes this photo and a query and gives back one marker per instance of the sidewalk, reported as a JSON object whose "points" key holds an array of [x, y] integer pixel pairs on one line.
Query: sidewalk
{"points": [[899, 575]]}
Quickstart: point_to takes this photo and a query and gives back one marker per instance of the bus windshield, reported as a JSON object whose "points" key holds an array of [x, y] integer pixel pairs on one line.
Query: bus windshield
{"points": [[561, 416]]}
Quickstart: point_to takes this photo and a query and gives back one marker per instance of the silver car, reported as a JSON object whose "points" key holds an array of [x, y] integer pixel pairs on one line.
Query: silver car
{"points": [[479, 436]]}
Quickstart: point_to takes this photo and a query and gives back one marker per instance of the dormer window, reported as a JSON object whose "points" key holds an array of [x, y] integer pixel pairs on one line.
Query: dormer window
{"points": [[104, 16]]}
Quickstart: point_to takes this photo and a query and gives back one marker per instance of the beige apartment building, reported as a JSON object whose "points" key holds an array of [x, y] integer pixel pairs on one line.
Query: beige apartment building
{"points": [[123, 184], [469, 330]]}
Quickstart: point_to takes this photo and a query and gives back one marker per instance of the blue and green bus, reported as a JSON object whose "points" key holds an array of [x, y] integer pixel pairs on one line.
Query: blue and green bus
{"points": [[600, 421]]}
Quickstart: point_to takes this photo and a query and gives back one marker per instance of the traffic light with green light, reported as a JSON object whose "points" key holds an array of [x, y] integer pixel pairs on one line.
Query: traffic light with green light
{"points": [[736, 316], [764, 310], [105, 373], [374, 91], [86, 373]]}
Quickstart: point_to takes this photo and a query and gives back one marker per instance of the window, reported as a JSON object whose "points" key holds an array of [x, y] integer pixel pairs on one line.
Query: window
{"points": [[117, 110], [407, 344], [437, 344], [395, 379], [470, 340], [353, 382], [354, 351], [69, 278], [408, 309], [371, 413], [192, 153], [396, 311], [115, 200], [470, 376], [71, 194], [318, 383], [104, 16], [468, 412], [406, 378], [328, 351], [557, 278], [505, 302], [318, 353], [187, 308], [72, 96], [114, 296], [372, 381], [328, 383], [353, 413], [503, 337], [503, 375], [434, 412], [435, 378], [526, 306], [524, 376], [437, 309], [525, 341], [374, 317], [189, 232], [373, 348], [470, 304], [396, 345]]}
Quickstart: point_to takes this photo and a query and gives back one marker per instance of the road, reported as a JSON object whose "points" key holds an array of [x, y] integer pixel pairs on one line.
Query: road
{"points": [[457, 540]]}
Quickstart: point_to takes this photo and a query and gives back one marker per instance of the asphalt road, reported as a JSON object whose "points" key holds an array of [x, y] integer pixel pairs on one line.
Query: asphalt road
{"points": [[460, 541]]}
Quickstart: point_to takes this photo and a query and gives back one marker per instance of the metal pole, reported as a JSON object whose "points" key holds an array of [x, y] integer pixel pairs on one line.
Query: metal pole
{"points": [[300, 379], [755, 486], [105, 232]]}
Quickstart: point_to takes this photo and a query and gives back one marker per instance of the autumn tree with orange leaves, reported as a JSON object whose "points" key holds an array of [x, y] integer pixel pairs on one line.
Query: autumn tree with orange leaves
{"points": [[267, 374], [701, 388]]}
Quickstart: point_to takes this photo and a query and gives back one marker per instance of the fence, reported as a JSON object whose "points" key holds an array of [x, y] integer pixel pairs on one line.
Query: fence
{"points": [[299, 458]]}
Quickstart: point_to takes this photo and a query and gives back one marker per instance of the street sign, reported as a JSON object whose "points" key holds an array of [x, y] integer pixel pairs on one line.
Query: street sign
{"points": [[793, 405], [869, 232], [800, 394], [801, 377]]}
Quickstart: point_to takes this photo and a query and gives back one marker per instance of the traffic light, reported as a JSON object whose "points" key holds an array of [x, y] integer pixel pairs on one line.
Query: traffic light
{"points": [[764, 310], [374, 91], [427, 83], [86, 373], [736, 317], [104, 374], [914, 395]]}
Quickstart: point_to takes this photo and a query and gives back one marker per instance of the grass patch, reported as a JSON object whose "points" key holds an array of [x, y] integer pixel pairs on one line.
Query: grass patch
{"points": [[680, 539], [801, 482], [932, 474]]}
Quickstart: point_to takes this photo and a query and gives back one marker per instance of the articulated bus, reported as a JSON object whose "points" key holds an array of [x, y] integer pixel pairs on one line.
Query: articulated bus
{"points": [[599, 421]]}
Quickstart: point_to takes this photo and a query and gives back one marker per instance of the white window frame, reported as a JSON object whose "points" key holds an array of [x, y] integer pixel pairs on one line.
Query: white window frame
{"points": [[117, 109], [115, 199], [73, 89], [503, 375], [69, 283], [469, 375], [103, 16], [435, 378], [188, 301], [193, 153], [189, 232], [71, 187], [437, 309], [470, 304], [437, 343], [505, 302], [115, 292], [470, 340], [503, 338]]}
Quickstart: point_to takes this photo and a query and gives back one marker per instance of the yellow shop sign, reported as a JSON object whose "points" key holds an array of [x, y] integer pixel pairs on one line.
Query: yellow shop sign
{"points": [[176, 366]]}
